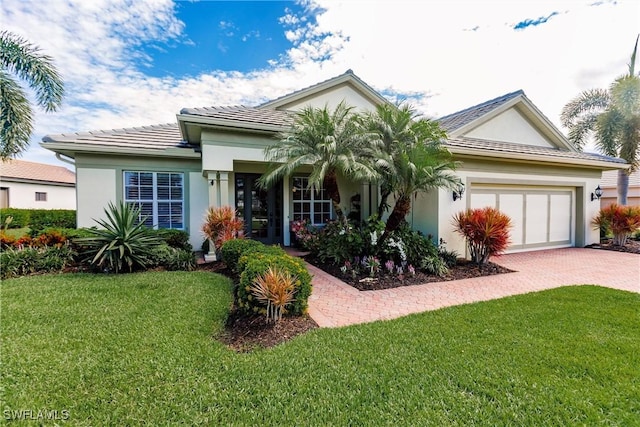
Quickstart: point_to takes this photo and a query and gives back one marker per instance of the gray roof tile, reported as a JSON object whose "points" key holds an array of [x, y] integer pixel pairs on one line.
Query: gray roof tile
{"points": [[240, 113], [508, 147], [458, 119]]}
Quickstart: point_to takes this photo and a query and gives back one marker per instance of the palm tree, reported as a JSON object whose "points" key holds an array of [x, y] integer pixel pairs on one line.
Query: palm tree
{"points": [[330, 141], [22, 59], [415, 162], [613, 117]]}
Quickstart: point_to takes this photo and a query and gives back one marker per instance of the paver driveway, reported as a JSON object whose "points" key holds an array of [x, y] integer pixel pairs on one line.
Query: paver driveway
{"points": [[334, 303]]}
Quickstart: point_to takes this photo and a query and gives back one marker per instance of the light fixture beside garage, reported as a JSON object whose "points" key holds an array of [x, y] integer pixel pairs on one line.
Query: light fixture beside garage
{"points": [[457, 194], [597, 193]]}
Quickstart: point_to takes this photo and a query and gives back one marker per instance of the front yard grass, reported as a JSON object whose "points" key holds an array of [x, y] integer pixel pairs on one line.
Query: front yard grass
{"points": [[141, 349]]}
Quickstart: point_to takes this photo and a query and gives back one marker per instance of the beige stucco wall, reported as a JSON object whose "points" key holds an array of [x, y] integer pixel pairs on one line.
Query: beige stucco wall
{"points": [[510, 126], [333, 97], [23, 195], [96, 188]]}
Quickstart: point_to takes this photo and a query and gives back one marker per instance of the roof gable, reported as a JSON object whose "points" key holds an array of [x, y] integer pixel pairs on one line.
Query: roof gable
{"points": [[511, 118], [347, 87]]}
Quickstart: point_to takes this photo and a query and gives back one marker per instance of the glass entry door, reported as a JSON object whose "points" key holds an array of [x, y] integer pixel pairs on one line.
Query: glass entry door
{"points": [[261, 209]]}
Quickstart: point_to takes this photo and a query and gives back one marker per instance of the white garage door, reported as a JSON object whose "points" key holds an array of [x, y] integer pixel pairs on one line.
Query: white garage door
{"points": [[541, 218]]}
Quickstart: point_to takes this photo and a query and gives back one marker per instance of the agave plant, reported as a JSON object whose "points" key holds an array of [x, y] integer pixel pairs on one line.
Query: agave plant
{"points": [[123, 239]]}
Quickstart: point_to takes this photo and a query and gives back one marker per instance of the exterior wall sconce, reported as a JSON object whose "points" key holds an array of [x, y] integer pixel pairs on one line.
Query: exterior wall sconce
{"points": [[597, 193], [457, 194], [212, 182]]}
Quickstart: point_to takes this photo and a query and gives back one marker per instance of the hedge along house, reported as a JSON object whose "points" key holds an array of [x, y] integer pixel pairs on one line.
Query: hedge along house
{"points": [[512, 158]]}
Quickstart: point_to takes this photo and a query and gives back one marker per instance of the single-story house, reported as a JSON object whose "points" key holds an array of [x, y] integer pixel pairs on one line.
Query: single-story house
{"points": [[609, 186], [512, 157], [30, 185]]}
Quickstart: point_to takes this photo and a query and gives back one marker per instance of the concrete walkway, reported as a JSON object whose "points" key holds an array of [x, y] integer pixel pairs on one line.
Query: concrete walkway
{"points": [[334, 303]]}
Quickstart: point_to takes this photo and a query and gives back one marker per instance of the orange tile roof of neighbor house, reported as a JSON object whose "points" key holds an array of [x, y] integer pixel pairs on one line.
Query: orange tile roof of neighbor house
{"points": [[23, 170]]}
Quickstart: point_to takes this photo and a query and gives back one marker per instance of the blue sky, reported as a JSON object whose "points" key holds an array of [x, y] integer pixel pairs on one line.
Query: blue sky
{"points": [[138, 62]]}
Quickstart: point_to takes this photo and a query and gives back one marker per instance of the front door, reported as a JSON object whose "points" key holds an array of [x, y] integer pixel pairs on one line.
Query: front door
{"points": [[260, 209]]}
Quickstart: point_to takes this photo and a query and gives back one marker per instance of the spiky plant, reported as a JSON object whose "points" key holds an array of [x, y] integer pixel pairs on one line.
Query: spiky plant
{"points": [[122, 241], [621, 221], [19, 58], [486, 231], [275, 289], [222, 224]]}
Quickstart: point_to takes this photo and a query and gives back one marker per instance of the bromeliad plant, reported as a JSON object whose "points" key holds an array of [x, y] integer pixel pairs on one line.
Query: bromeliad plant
{"points": [[621, 221], [122, 241], [486, 231]]}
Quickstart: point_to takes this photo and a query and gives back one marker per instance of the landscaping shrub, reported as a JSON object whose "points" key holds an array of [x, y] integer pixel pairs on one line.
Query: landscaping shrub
{"points": [[251, 251], [307, 236], [486, 231], [21, 217], [178, 239], [29, 260], [43, 218], [258, 265], [6, 240], [339, 242], [123, 240], [233, 249], [621, 221], [276, 289], [222, 224]]}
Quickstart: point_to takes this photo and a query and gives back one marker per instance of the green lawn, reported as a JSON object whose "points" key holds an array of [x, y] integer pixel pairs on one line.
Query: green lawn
{"points": [[139, 349]]}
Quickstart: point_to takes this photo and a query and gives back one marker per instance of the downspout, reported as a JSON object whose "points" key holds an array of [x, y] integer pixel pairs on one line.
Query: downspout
{"points": [[71, 162]]}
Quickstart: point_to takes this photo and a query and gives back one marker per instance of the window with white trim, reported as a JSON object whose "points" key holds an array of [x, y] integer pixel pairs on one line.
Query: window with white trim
{"points": [[159, 195], [312, 205]]}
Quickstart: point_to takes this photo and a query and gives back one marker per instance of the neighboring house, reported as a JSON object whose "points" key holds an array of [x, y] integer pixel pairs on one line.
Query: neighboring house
{"points": [[512, 157], [29, 185], [609, 185]]}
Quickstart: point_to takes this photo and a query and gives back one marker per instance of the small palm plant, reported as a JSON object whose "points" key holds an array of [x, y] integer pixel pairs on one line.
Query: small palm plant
{"points": [[486, 231], [276, 289], [122, 241]]}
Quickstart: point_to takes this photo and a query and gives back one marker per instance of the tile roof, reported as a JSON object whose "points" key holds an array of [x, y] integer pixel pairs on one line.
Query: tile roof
{"points": [[508, 147], [154, 137], [21, 169], [240, 113], [458, 119], [610, 179]]}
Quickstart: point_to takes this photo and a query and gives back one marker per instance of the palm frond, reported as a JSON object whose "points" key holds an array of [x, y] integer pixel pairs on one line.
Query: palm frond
{"points": [[16, 122]]}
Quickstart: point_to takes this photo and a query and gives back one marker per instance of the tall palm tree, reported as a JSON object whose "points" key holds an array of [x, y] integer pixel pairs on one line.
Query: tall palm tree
{"points": [[613, 117], [22, 59], [330, 141], [418, 162]]}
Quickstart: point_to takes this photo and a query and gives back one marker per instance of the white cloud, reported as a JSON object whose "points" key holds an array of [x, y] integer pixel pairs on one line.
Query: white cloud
{"points": [[446, 55]]}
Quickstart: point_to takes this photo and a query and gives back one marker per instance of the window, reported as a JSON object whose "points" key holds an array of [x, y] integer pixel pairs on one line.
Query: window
{"points": [[313, 205], [159, 195], [41, 197]]}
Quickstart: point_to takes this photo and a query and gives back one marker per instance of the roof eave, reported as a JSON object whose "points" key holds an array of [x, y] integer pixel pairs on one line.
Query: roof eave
{"points": [[536, 158], [71, 148]]}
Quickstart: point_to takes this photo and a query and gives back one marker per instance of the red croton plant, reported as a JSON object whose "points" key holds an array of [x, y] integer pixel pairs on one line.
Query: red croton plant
{"points": [[222, 224], [621, 221], [486, 231]]}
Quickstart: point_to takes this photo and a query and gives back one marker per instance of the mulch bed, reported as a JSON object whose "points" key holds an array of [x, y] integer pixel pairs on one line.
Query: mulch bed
{"points": [[632, 246], [463, 270]]}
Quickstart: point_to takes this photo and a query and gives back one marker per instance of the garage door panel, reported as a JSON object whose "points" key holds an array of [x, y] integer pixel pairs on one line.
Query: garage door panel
{"points": [[482, 200], [537, 218], [512, 205], [560, 223]]}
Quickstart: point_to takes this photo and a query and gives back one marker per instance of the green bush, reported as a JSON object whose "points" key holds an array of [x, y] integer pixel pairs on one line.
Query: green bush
{"points": [[178, 239], [339, 242], [233, 249], [172, 259], [251, 251], [43, 218], [21, 217], [30, 260], [258, 264]]}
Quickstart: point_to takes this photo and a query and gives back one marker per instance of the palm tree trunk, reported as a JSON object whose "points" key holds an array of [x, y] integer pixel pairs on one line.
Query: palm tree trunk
{"points": [[399, 213], [623, 187], [382, 206], [331, 187]]}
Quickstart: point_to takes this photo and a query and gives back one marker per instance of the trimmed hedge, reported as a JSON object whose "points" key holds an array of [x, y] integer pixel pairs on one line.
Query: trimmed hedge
{"points": [[233, 249], [250, 252], [38, 219], [258, 264]]}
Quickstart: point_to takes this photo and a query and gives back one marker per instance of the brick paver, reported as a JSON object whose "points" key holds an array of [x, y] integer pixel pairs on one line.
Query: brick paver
{"points": [[334, 303]]}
